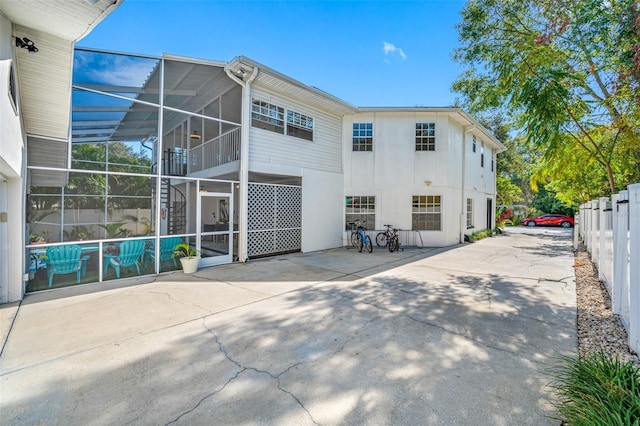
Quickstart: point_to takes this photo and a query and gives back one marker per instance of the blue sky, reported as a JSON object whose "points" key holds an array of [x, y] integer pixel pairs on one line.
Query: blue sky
{"points": [[368, 53]]}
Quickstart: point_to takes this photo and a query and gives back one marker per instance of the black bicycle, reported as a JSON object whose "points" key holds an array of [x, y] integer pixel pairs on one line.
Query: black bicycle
{"points": [[388, 238], [382, 238]]}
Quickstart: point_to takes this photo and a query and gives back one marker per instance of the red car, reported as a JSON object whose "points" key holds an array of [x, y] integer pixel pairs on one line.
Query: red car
{"points": [[549, 220]]}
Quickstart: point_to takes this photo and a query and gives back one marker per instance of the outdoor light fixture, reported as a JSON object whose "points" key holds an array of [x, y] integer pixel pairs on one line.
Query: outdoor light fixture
{"points": [[25, 43], [195, 135]]}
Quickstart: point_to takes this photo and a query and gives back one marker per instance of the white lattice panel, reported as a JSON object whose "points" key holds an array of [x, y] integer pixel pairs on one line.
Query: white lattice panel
{"points": [[262, 207], [275, 219], [289, 205]]}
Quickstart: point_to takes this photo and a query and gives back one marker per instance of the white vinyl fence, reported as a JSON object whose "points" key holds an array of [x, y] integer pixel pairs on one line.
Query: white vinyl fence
{"points": [[610, 229]]}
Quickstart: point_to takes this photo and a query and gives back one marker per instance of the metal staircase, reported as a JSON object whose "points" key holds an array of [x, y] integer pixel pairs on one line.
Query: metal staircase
{"points": [[176, 203], [171, 197]]}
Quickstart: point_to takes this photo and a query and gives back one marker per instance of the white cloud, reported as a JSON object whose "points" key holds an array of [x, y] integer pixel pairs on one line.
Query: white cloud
{"points": [[391, 49]]}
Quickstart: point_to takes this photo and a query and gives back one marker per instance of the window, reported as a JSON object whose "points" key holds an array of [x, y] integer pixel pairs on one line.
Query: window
{"points": [[426, 213], [469, 212], [481, 154], [363, 208], [474, 143], [362, 136], [299, 125], [492, 157], [425, 136], [13, 89], [267, 116]]}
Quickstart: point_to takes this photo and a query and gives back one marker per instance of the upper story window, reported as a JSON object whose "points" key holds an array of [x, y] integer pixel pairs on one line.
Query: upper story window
{"points": [[362, 136], [492, 159], [481, 154], [425, 136], [299, 125], [474, 143], [267, 116]]}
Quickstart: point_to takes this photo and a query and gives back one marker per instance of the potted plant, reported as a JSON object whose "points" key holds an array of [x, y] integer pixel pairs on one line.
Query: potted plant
{"points": [[189, 257], [36, 239]]}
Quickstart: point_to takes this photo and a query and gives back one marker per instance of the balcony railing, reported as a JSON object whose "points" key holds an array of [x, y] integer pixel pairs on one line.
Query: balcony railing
{"points": [[215, 152]]}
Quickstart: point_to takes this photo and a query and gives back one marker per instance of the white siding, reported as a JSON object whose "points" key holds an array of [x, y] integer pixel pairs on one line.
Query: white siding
{"points": [[270, 149]]}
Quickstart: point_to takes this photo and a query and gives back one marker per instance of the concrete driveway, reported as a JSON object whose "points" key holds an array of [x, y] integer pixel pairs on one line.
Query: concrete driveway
{"points": [[457, 336]]}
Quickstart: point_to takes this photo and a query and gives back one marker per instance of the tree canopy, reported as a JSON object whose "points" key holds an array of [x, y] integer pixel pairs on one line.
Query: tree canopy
{"points": [[566, 73]]}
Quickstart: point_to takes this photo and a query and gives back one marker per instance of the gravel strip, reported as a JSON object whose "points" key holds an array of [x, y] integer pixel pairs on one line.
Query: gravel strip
{"points": [[599, 330]]}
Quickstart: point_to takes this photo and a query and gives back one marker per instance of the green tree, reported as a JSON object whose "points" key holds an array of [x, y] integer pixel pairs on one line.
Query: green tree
{"points": [[508, 193], [122, 191], [561, 68]]}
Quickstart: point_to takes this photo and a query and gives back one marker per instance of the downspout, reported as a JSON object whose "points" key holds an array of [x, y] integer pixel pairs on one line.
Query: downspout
{"points": [[244, 160]]}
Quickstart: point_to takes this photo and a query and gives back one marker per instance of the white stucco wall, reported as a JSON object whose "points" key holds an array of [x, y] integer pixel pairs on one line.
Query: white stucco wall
{"points": [[394, 171], [322, 210], [479, 180], [12, 172], [11, 141]]}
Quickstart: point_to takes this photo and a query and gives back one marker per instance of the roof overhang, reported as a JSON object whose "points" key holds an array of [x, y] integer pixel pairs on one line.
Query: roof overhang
{"points": [[44, 77], [457, 114], [279, 82]]}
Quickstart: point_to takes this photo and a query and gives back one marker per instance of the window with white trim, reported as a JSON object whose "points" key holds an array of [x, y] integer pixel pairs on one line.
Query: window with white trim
{"points": [[425, 136], [363, 208], [469, 212], [426, 214], [299, 125], [363, 136], [481, 154], [474, 143], [265, 115]]}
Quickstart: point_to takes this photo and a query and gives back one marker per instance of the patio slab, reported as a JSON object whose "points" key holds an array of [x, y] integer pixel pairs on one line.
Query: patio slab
{"points": [[455, 336]]}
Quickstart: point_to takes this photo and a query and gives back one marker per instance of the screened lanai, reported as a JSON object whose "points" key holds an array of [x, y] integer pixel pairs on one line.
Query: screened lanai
{"points": [[152, 160]]}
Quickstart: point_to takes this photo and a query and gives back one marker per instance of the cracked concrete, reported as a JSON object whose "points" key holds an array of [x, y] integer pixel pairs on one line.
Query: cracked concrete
{"points": [[454, 336]]}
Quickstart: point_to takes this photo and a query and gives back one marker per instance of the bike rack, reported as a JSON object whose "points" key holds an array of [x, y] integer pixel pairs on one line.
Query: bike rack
{"points": [[408, 238]]}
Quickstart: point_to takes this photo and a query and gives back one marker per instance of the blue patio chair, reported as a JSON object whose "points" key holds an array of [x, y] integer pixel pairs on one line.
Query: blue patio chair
{"points": [[166, 250], [65, 260], [130, 255]]}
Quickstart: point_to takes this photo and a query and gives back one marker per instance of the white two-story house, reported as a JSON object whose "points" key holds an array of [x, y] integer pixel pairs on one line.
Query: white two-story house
{"points": [[427, 170], [234, 158]]}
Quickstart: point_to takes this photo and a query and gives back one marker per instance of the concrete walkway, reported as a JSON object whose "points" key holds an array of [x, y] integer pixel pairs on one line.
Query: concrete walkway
{"points": [[458, 336]]}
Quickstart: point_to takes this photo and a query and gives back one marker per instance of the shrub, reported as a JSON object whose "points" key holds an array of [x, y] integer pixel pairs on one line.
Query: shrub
{"points": [[479, 235], [597, 390]]}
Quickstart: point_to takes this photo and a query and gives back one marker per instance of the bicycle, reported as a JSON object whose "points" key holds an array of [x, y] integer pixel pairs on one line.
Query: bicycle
{"points": [[359, 238], [394, 241], [353, 238], [388, 238], [382, 238]]}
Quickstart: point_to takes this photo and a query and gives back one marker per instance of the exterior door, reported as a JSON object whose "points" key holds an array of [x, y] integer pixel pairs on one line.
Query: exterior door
{"points": [[215, 230], [490, 224]]}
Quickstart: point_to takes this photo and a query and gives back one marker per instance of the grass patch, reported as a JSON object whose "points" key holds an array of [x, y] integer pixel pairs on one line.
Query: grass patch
{"points": [[597, 390]]}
